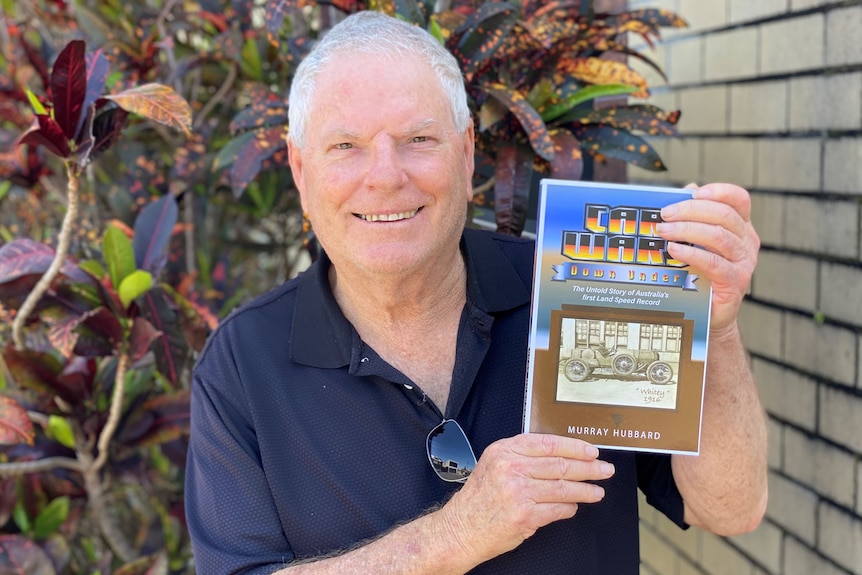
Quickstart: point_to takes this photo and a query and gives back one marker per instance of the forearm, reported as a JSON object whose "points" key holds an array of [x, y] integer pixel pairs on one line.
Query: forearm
{"points": [[424, 545], [724, 488]]}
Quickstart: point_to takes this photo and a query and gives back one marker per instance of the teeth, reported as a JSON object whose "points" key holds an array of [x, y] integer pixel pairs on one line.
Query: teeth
{"points": [[388, 217]]}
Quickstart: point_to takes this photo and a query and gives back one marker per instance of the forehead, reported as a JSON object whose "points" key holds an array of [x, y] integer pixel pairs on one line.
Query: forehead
{"points": [[365, 85]]}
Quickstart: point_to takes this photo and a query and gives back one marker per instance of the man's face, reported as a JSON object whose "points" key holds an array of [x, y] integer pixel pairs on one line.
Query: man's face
{"points": [[384, 176]]}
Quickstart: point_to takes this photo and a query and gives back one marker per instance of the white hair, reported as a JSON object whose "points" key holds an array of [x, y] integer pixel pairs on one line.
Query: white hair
{"points": [[374, 33]]}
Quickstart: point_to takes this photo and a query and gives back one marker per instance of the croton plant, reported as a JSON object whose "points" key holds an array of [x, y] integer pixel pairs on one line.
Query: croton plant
{"points": [[92, 374]]}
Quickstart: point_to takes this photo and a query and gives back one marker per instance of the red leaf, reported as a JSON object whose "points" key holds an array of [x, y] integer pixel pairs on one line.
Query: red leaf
{"points": [[97, 73], [105, 323], [24, 257], [171, 349], [15, 426], [20, 556], [568, 162], [44, 373], [36, 60], [142, 336], [46, 132], [8, 498], [513, 172], [107, 125], [153, 228], [69, 87], [250, 158], [160, 419]]}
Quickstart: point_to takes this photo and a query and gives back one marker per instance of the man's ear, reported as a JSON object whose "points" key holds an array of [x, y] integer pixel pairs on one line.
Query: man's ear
{"points": [[469, 156], [294, 158]]}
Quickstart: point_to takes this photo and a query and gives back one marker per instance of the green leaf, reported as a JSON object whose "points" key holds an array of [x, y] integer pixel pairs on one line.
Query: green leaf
{"points": [[437, 32], [119, 255], [51, 518], [93, 267], [36, 104], [589, 93], [61, 431], [5, 186], [250, 63], [134, 285], [227, 155], [19, 514]]}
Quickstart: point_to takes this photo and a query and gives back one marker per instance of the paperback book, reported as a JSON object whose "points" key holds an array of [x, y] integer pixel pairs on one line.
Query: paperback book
{"points": [[618, 332]]}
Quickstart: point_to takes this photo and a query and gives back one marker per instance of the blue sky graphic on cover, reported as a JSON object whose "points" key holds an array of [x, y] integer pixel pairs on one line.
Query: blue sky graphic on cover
{"points": [[618, 337]]}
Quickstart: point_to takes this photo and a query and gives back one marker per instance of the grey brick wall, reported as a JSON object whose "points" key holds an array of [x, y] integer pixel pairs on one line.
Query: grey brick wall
{"points": [[771, 99]]}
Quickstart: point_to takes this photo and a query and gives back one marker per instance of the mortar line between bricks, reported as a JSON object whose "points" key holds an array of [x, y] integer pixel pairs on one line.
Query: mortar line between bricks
{"points": [[816, 551], [820, 257], [689, 35], [814, 435], [782, 135], [831, 384], [827, 320], [822, 71], [697, 562]]}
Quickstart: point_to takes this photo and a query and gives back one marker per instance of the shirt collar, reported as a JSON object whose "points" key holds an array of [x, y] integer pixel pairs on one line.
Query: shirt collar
{"points": [[322, 337]]}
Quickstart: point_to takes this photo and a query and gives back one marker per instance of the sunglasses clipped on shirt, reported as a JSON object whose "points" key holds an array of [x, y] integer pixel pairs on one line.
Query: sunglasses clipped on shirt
{"points": [[449, 452]]}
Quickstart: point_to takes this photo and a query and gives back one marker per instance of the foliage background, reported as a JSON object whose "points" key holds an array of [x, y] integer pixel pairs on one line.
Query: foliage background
{"points": [[534, 72]]}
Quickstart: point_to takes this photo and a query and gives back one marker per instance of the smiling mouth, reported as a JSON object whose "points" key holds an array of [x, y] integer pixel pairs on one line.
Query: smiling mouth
{"points": [[388, 217]]}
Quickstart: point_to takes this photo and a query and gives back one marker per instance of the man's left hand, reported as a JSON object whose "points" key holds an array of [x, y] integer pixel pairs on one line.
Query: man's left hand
{"points": [[717, 221]]}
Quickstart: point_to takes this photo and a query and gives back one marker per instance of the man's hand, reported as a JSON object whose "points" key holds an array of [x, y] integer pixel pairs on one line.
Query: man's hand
{"points": [[520, 484], [718, 220]]}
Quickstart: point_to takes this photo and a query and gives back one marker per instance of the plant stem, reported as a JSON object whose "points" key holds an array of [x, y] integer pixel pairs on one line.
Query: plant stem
{"points": [[47, 464], [96, 498], [63, 242], [114, 413]]}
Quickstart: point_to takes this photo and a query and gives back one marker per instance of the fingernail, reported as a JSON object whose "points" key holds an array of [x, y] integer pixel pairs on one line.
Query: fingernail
{"points": [[669, 211], [704, 192], [600, 492], [592, 451], [662, 228], [607, 468]]}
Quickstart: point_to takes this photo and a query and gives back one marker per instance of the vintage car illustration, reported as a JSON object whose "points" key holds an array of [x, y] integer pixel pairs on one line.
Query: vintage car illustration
{"points": [[584, 361]]}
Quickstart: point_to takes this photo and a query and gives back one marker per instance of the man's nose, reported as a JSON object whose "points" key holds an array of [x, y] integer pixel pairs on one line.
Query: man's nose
{"points": [[386, 167]]}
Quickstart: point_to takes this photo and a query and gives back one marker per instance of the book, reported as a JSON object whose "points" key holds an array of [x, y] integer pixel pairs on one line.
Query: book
{"points": [[619, 329]]}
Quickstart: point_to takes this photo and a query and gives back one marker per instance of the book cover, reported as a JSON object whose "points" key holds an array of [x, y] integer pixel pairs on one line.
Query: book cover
{"points": [[618, 332]]}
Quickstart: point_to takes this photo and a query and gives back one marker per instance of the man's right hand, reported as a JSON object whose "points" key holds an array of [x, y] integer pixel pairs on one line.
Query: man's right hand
{"points": [[520, 484]]}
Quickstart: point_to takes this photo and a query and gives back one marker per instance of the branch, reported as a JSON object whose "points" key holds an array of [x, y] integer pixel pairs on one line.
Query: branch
{"points": [[218, 96], [59, 257], [114, 414], [484, 187], [96, 498], [47, 464]]}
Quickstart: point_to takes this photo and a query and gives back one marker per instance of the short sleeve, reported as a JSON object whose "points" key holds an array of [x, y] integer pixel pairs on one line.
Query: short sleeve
{"points": [[655, 480], [231, 516]]}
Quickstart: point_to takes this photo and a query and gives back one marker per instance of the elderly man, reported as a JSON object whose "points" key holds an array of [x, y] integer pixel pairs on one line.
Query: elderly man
{"points": [[313, 405]]}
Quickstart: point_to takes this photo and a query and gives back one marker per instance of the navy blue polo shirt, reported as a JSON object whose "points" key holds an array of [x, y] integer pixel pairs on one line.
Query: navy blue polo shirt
{"points": [[304, 441]]}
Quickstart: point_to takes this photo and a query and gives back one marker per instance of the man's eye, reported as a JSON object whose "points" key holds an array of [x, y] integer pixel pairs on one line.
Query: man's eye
{"points": [[343, 146], [420, 139]]}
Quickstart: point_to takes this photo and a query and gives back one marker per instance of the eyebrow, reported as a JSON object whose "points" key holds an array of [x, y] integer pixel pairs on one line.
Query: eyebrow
{"points": [[342, 133]]}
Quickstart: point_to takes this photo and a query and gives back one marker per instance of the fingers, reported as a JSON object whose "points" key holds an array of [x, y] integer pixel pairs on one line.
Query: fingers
{"points": [[729, 194], [551, 468], [555, 457], [717, 221], [522, 483]]}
